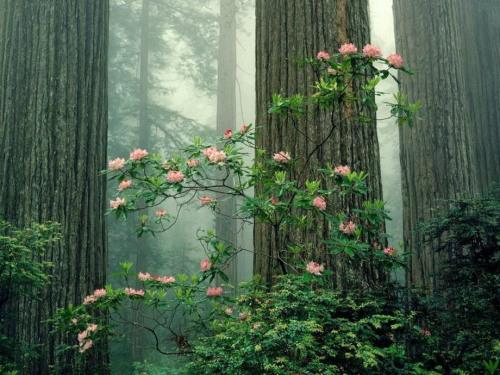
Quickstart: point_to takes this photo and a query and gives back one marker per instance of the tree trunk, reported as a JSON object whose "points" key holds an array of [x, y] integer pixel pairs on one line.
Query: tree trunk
{"points": [[226, 227], [438, 154], [53, 129], [287, 32]]}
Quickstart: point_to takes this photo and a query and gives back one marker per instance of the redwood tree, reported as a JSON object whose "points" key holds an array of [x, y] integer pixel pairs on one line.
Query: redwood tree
{"points": [[288, 31], [53, 129]]}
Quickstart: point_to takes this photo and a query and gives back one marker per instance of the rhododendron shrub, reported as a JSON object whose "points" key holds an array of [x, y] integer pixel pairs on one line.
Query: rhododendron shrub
{"points": [[204, 174]]}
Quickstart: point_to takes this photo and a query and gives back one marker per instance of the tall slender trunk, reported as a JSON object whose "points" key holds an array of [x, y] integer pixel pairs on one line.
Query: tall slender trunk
{"points": [[287, 32], [144, 141], [53, 134], [226, 228], [438, 155]]}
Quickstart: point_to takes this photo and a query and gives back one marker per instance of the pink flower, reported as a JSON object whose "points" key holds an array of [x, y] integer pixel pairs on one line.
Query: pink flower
{"points": [[138, 154], [347, 227], [116, 164], [348, 49], [160, 213], [215, 291], [319, 203], [315, 268], [244, 128], [98, 293], [125, 184], [165, 279], [342, 170], [323, 55], [89, 299], [175, 177], [205, 265], [144, 276], [134, 292], [229, 311], [395, 60], [117, 203], [281, 157], [389, 250], [192, 163], [425, 332], [228, 133], [206, 200], [84, 342], [209, 151], [217, 157], [371, 51]]}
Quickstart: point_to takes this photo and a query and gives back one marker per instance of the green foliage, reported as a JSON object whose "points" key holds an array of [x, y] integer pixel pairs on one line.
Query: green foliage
{"points": [[23, 273], [302, 326], [462, 314]]}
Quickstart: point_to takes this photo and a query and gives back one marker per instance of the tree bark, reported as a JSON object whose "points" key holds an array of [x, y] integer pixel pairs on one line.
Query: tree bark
{"points": [[226, 228], [287, 33], [438, 155], [53, 129]]}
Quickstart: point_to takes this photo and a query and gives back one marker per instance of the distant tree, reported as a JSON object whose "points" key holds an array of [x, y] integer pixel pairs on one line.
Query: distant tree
{"points": [[53, 132], [287, 33]]}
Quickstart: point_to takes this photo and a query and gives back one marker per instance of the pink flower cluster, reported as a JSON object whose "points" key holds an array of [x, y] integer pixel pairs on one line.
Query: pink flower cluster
{"points": [[98, 293], [371, 51], [124, 185], [228, 133], [206, 200], [192, 163], [134, 292], [244, 128], [138, 154], [342, 170], [215, 291], [319, 203], [175, 177], [160, 212], [116, 164], [315, 268], [114, 204], [281, 157], [347, 227], [214, 156], [205, 265], [348, 49], [389, 250], [322, 55], [84, 342], [395, 60], [146, 276]]}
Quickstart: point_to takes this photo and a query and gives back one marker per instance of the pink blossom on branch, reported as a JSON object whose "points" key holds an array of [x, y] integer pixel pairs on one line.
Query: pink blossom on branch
{"points": [[138, 154], [84, 342], [215, 291], [209, 151], [342, 170], [281, 157], [347, 227], [319, 203], [217, 157], [315, 268], [114, 204], [371, 51], [389, 250], [395, 60], [125, 184], [206, 200], [134, 292], [116, 164], [322, 55], [192, 163], [144, 276], [348, 49], [160, 212], [175, 177], [244, 128], [165, 279], [228, 133], [205, 265]]}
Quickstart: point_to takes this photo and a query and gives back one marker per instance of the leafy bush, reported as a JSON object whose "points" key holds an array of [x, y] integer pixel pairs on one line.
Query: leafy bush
{"points": [[462, 315]]}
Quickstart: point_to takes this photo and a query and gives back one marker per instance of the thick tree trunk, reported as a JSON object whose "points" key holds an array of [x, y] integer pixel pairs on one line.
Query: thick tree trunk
{"points": [[438, 153], [53, 129], [287, 32], [226, 227]]}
